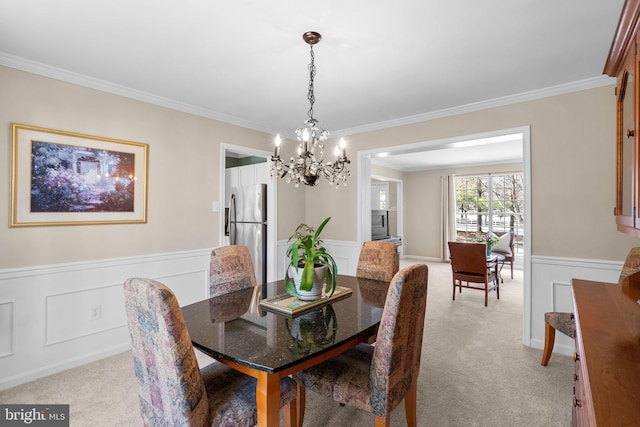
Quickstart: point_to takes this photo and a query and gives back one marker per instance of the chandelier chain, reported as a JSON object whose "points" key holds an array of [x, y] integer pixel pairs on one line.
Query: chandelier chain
{"points": [[310, 94]]}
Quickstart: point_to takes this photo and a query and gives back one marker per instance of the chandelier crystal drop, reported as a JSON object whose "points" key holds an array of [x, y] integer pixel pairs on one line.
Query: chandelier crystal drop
{"points": [[309, 164]]}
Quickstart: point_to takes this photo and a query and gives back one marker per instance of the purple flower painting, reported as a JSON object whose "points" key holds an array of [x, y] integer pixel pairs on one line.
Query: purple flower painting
{"points": [[69, 178]]}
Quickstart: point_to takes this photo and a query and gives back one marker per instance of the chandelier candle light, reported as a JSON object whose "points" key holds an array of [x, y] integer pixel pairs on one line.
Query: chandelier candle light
{"points": [[308, 166]]}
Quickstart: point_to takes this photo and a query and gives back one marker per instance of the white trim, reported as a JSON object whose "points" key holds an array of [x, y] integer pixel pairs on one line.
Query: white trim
{"points": [[576, 86], [105, 86], [595, 264], [34, 374], [14, 273]]}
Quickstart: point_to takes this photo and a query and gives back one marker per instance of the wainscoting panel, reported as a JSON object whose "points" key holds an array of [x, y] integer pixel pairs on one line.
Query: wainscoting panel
{"points": [[345, 253], [551, 291], [6, 328], [95, 310], [57, 317]]}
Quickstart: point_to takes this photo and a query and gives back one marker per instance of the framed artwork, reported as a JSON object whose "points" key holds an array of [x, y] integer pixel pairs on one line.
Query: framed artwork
{"points": [[66, 178]]}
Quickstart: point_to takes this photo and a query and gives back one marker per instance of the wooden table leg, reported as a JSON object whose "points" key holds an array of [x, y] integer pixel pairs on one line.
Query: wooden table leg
{"points": [[268, 399]]}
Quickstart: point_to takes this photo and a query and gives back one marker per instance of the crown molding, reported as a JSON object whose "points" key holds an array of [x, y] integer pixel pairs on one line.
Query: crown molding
{"points": [[127, 92], [576, 86], [102, 85]]}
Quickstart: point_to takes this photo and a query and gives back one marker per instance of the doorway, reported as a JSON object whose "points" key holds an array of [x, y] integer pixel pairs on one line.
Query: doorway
{"points": [[238, 152], [441, 149]]}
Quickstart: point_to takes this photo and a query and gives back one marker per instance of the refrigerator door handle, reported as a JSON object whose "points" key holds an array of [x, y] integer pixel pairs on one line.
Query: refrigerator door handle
{"points": [[233, 232]]}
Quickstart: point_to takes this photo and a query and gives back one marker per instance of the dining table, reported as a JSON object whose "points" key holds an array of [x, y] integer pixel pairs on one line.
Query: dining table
{"points": [[236, 330]]}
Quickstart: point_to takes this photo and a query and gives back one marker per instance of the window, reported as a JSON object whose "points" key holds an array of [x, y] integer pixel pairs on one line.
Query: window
{"points": [[380, 195], [490, 203]]}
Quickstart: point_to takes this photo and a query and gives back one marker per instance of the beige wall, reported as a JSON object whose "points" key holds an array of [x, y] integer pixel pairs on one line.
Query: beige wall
{"points": [[184, 171], [572, 170]]}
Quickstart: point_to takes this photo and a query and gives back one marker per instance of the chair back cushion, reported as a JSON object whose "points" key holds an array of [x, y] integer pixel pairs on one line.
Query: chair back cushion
{"points": [[231, 270], [171, 389], [468, 258], [631, 264], [396, 357], [505, 244], [378, 260]]}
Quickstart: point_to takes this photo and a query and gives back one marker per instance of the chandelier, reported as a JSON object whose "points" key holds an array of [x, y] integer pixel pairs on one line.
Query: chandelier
{"points": [[309, 165]]}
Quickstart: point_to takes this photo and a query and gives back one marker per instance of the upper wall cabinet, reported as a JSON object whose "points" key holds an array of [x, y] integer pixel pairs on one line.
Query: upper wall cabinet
{"points": [[623, 63]]}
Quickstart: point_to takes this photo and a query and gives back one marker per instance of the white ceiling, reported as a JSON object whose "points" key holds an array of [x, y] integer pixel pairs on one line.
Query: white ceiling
{"points": [[379, 62]]}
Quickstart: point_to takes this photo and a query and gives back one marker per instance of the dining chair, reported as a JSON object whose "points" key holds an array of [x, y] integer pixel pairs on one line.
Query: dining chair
{"points": [[376, 378], [173, 391], [378, 260], [231, 269], [565, 322], [505, 248], [469, 265]]}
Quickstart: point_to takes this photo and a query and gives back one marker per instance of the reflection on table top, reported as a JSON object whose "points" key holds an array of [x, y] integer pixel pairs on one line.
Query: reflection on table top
{"points": [[233, 327]]}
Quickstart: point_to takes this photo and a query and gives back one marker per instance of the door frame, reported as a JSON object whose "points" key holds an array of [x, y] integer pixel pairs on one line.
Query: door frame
{"points": [[364, 200], [272, 204]]}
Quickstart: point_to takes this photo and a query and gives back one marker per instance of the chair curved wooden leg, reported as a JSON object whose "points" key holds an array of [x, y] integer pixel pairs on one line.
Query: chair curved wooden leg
{"points": [[300, 398], [549, 339], [454, 290], [410, 404]]}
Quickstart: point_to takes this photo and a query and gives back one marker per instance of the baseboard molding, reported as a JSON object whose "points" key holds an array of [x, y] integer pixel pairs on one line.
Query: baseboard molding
{"points": [[25, 377]]}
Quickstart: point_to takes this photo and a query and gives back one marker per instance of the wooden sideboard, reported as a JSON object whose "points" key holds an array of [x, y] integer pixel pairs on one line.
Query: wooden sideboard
{"points": [[607, 358]]}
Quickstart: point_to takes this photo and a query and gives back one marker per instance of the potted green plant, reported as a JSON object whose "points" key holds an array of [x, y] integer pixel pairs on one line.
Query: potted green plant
{"points": [[310, 264]]}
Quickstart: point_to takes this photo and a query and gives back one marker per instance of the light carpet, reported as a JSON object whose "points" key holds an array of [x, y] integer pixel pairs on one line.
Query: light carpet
{"points": [[474, 372]]}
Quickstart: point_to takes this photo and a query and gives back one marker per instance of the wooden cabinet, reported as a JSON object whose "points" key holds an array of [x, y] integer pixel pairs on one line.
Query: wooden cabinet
{"points": [[607, 358], [623, 63]]}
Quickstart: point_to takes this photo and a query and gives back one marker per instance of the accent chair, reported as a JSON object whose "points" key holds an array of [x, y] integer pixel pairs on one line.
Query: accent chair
{"points": [[231, 269], [469, 265], [378, 261], [377, 378], [173, 391]]}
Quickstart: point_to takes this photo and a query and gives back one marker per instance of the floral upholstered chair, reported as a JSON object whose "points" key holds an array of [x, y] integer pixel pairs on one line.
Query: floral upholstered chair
{"points": [[173, 391], [378, 260], [231, 269], [565, 322], [377, 378]]}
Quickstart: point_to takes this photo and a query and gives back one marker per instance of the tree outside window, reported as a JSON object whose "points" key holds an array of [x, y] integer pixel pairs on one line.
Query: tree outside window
{"points": [[490, 203]]}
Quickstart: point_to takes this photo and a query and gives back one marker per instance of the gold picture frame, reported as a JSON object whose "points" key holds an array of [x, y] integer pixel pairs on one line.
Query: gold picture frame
{"points": [[67, 178]]}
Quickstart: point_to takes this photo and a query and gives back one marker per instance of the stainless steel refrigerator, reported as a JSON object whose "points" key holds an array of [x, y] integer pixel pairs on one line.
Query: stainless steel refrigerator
{"points": [[248, 224]]}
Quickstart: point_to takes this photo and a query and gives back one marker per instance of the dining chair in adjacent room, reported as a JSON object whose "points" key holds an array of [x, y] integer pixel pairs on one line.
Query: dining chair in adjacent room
{"points": [[173, 391], [231, 269], [376, 378], [378, 260], [469, 265], [565, 322]]}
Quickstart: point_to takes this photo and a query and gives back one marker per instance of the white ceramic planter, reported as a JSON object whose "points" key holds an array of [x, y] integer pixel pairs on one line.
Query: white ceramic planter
{"points": [[316, 291]]}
